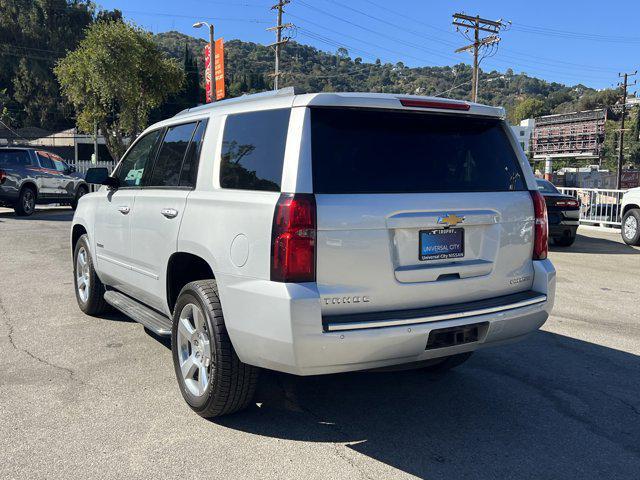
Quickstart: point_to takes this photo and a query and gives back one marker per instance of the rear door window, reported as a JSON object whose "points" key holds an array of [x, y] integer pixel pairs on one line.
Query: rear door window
{"points": [[375, 151], [253, 150], [14, 158], [168, 164]]}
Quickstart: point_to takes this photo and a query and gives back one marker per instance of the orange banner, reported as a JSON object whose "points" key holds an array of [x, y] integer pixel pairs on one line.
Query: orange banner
{"points": [[219, 69], [207, 74]]}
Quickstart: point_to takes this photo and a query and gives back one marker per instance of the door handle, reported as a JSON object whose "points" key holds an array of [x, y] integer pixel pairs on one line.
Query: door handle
{"points": [[124, 209], [169, 212]]}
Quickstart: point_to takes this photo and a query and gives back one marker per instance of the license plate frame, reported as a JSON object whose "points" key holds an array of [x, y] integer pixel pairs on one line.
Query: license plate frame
{"points": [[438, 250]]}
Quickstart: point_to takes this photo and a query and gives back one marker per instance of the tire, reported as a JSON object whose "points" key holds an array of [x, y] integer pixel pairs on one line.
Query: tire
{"points": [[448, 363], [26, 204], [564, 241], [90, 298], [631, 227], [82, 190], [215, 381]]}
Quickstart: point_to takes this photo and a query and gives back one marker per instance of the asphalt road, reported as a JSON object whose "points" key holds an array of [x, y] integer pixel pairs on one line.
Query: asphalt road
{"points": [[97, 398]]}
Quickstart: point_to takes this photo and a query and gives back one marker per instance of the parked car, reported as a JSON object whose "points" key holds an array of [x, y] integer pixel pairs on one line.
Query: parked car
{"points": [[563, 212], [315, 234], [29, 176], [630, 207]]}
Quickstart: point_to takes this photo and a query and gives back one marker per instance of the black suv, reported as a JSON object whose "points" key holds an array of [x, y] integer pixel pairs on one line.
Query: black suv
{"points": [[29, 176]]}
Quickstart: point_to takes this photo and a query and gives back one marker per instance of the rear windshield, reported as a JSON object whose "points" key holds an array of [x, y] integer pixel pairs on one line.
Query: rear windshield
{"points": [[14, 158], [375, 151]]}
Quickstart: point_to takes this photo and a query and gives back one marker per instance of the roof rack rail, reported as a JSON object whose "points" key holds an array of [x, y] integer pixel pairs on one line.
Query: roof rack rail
{"points": [[283, 92]]}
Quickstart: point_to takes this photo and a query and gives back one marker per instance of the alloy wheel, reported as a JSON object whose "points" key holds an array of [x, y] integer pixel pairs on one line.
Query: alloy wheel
{"points": [[630, 227], [83, 280], [194, 349], [28, 201]]}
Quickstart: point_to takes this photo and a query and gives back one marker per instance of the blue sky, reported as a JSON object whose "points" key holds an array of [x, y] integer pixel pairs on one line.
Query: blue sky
{"points": [[567, 41]]}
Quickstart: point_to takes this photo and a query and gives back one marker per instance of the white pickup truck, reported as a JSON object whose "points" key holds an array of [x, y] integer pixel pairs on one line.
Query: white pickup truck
{"points": [[315, 234], [631, 217]]}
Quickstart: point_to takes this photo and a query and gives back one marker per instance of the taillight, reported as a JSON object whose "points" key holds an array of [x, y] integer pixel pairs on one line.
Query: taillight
{"points": [[567, 203], [412, 102], [541, 226], [293, 239], [3, 176]]}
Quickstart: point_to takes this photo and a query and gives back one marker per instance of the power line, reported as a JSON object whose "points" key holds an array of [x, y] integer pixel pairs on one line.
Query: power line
{"points": [[514, 53]]}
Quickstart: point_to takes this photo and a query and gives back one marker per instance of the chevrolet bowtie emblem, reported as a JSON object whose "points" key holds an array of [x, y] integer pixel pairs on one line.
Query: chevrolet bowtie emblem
{"points": [[450, 220]]}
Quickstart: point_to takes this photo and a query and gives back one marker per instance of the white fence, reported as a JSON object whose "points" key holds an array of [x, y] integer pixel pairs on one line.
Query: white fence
{"points": [[599, 207], [83, 165]]}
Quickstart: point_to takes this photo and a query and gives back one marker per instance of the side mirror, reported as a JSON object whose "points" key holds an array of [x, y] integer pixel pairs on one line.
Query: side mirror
{"points": [[112, 183], [96, 175], [71, 169]]}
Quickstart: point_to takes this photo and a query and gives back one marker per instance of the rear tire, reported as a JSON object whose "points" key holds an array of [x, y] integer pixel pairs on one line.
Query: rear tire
{"points": [[631, 227], [26, 203], [212, 379], [448, 363], [88, 287], [82, 190], [564, 241]]}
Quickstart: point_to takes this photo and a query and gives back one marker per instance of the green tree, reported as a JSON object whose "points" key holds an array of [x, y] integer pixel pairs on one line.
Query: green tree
{"points": [[115, 77], [5, 114], [33, 35], [529, 108]]}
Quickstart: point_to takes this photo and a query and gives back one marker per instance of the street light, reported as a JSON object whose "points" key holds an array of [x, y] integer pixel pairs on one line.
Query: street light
{"points": [[212, 57]]}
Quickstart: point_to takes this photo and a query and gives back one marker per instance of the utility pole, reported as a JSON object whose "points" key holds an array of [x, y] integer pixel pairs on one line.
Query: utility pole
{"points": [[279, 40], [493, 27], [624, 86]]}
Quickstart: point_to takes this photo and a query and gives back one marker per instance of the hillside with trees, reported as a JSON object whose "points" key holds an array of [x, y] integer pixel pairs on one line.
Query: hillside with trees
{"points": [[36, 34], [249, 67]]}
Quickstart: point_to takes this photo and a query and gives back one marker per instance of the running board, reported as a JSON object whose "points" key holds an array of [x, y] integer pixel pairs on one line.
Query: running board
{"points": [[154, 321]]}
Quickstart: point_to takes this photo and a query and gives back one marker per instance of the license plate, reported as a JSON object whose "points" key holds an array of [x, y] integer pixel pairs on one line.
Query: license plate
{"points": [[441, 244]]}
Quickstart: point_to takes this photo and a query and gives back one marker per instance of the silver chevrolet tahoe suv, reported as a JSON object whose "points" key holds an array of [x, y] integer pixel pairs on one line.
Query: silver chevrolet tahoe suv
{"points": [[315, 234], [29, 176]]}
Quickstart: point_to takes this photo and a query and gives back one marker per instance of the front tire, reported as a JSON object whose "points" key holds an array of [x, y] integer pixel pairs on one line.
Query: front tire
{"points": [[631, 227], [26, 204], [212, 379], [89, 289]]}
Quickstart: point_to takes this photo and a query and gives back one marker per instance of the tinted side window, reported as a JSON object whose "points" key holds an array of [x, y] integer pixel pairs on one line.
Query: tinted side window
{"points": [[45, 161], [14, 158], [60, 166], [166, 171], [189, 172], [132, 166], [253, 150]]}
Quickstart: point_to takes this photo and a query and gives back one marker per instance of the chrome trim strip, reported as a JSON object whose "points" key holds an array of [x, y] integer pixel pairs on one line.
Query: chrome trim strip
{"points": [[335, 327]]}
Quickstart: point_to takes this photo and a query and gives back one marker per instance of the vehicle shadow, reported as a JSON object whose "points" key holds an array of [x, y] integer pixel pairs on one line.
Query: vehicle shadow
{"points": [[597, 245], [548, 407], [62, 214]]}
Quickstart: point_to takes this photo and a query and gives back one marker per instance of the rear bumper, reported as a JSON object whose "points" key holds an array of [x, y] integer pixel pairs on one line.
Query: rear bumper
{"points": [[279, 326], [563, 223]]}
